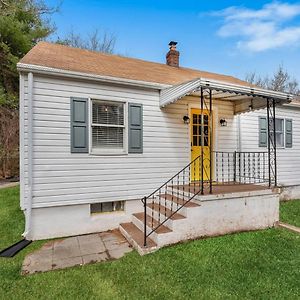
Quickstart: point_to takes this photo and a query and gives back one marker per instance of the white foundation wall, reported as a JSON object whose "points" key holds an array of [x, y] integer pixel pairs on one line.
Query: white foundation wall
{"points": [[53, 222], [288, 159], [227, 214], [63, 178]]}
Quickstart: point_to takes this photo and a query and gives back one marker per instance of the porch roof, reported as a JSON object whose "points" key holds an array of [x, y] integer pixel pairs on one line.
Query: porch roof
{"points": [[243, 96]]}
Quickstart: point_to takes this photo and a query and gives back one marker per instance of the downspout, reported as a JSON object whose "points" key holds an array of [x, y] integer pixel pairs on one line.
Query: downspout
{"points": [[28, 211]]}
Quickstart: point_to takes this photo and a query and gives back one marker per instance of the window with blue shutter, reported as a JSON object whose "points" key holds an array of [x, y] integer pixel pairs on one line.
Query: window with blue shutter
{"points": [[263, 132], [108, 126], [288, 133], [135, 128], [79, 125]]}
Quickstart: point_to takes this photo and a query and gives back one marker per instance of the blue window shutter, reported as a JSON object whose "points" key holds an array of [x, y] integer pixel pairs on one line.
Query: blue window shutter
{"points": [[288, 133], [79, 125], [135, 128], [263, 132]]}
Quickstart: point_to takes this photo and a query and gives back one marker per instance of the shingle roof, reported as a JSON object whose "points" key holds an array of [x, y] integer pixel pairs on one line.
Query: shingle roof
{"points": [[85, 61]]}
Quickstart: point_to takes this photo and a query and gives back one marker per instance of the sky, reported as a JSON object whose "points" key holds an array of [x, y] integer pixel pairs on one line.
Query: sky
{"points": [[227, 37]]}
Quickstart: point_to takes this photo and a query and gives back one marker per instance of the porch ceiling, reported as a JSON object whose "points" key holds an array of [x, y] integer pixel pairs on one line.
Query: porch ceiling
{"points": [[244, 97]]}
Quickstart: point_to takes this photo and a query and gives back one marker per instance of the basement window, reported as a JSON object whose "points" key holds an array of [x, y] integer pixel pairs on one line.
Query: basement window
{"points": [[105, 207]]}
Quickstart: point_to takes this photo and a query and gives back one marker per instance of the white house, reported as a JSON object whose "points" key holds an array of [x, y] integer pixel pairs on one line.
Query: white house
{"points": [[101, 132]]}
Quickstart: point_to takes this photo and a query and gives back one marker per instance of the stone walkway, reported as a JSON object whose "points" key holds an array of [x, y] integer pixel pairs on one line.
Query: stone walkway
{"points": [[5, 184], [289, 227], [76, 251]]}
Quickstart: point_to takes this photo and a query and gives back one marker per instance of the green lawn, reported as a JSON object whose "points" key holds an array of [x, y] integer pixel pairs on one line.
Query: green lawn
{"points": [[257, 265], [290, 212]]}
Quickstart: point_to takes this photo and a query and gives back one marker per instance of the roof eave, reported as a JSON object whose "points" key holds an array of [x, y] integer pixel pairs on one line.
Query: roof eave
{"points": [[22, 67], [174, 93]]}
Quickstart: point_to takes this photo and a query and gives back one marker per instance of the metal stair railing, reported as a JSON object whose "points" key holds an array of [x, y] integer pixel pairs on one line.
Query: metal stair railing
{"points": [[177, 188], [229, 168]]}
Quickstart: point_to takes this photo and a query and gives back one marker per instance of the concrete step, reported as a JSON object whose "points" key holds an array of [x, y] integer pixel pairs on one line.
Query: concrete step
{"points": [[185, 195], [161, 213], [178, 200], [136, 238], [174, 202], [164, 211], [159, 235], [151, 223]]}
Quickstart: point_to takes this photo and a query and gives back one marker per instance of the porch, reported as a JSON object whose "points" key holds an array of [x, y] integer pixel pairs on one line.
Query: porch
{"points": [[189, 205], [220, 189]]}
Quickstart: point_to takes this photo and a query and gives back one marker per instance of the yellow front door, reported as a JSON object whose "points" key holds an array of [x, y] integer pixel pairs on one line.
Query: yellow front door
{"points": [[200, 143]]}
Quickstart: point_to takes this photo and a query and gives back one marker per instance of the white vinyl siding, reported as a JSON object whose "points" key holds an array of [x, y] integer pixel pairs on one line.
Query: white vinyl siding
{"points": [[64, 178]]}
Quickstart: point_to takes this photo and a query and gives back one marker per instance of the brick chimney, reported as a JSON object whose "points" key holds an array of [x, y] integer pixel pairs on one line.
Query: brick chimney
{"points": [[173, 55]]}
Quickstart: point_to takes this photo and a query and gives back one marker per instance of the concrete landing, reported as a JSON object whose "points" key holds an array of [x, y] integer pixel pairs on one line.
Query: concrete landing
{"points": [[76, 251]]}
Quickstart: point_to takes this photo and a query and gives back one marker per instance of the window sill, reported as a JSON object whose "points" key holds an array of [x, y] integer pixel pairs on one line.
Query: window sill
{"points": [[277, 147], [116, 212], [108, 152]]}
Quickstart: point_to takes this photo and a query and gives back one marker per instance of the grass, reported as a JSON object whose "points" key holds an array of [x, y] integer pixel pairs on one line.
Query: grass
{"points": [[290, 212], [254, 265]]}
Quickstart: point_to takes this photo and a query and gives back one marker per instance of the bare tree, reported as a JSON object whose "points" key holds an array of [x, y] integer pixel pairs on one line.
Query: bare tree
{"points": [[9, 142], [94, 41], [280, 81]]}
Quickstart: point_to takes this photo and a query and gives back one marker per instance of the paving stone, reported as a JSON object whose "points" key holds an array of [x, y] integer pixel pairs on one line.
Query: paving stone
{"points": [[89, 238], [110, 245], [90, 244], [108, 237], [66, 248], [71, 241], [119, 252], [93, 258], [39, 261], [48, 246], [66, 262]]}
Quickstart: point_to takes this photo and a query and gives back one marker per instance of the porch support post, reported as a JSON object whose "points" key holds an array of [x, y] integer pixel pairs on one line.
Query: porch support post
{"points": [[272, 155], [269, 141], [275, 144], [210, 142], [202, 141]]}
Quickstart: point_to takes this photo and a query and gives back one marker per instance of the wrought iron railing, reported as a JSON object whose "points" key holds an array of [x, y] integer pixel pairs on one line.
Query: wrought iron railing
{"points": [[223, 168], [240, 167]]}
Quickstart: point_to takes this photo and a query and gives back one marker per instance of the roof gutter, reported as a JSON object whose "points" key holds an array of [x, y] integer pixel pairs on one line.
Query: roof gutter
{"points": [[79, 75], [255, 91], [292, 104]]}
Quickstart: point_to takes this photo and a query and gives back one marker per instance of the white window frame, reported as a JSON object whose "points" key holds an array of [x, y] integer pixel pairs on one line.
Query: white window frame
{"points": [[99, 151], [283, 132]]}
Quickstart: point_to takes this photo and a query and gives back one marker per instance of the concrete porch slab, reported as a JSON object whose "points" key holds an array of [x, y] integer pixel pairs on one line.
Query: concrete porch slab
{"points": [[75, 251]]}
